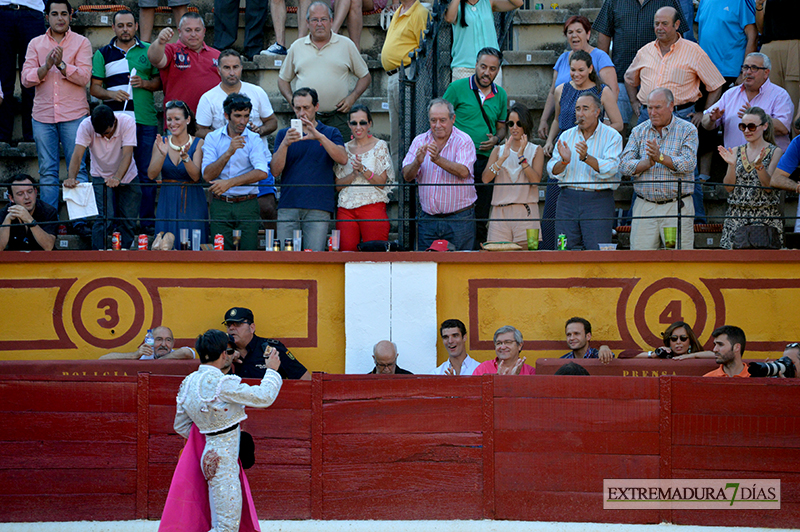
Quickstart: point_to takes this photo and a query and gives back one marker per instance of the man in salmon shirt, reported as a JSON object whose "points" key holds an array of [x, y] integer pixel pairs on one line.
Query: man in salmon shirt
{"points": [[507, 347], [59, 65]]}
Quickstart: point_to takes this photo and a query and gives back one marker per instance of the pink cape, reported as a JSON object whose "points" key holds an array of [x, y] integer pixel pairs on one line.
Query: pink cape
{"points": [[187, 508]]}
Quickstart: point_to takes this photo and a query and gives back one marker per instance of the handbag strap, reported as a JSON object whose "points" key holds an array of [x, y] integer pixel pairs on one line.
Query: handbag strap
{"points": [[483, 112]]}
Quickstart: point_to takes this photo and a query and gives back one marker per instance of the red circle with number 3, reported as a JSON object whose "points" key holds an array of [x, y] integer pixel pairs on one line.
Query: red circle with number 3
{"points": [[108, 312]]}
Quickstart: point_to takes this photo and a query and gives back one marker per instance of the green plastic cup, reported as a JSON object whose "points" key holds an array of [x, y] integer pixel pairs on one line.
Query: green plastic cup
{"points": [[670, 237], [533, 239]]}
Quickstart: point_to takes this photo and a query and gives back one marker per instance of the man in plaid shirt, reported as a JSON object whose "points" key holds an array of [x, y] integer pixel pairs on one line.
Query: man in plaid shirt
{"points": [[661, 155]]}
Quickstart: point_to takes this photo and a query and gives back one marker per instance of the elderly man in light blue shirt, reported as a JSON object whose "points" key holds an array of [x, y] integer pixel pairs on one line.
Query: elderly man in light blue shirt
{"points": [[586, 162], [234, 160]]}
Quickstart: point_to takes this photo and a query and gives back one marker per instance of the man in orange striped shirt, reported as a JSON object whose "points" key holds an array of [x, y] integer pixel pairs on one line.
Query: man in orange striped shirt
{"points": [[673, 63]]}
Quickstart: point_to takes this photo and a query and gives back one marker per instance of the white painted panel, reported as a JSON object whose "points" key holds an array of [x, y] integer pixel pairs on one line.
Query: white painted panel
{"points": [[367, 312], [414, 321]]}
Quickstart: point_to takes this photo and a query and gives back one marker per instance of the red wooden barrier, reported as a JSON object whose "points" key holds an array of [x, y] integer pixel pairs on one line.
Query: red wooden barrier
{"points": [[371, 447]]}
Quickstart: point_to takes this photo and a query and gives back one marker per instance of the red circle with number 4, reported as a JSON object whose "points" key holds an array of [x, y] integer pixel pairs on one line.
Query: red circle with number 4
{"points": [[672, 311], [107, 312]]}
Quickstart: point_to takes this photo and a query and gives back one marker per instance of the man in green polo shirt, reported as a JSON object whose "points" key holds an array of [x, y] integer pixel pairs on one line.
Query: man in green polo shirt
{"points": [[113, 82], [481, 110]]}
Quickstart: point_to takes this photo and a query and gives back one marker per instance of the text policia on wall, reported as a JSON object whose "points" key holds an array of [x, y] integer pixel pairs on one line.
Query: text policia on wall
{"points": [[695, 494]]}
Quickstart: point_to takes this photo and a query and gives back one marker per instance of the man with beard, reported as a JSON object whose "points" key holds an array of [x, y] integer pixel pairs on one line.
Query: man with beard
{"points": [[481, 109], [441, 159], [234, 160], [112, 69], [729, 343], [579, 334], [586, 162]]}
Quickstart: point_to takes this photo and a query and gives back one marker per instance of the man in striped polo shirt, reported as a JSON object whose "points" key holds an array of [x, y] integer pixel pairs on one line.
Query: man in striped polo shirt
{"points": [[113, 83]]}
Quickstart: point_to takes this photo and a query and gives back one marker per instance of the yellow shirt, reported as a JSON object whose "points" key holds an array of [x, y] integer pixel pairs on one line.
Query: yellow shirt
{"points": [[403, 36]]}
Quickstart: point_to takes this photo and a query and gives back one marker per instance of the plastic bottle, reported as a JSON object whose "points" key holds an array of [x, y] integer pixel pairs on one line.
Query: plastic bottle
{"points": [[149, 340]]}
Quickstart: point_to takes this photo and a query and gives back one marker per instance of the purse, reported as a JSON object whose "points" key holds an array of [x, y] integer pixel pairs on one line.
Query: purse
{"points": [[756, 237]]}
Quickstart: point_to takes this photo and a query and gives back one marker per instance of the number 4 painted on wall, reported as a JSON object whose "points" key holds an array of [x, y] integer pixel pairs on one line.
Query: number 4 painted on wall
{"points": [[671, 313]]}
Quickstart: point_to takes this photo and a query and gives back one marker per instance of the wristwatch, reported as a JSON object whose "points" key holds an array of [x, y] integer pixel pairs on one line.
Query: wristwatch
{"points": [[62, 65], [661, 157]]}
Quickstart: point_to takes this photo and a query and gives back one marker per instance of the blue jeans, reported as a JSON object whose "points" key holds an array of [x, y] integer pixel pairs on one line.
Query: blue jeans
{"points": [[127, 198], [586, 218], [17, 28], [624, 104], [313, 222], [142, 153], [48, 137], [457, 228], [687, 6]]}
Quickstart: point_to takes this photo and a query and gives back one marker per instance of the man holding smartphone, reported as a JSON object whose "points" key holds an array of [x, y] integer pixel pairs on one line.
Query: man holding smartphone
{"points": [[307, 159]]}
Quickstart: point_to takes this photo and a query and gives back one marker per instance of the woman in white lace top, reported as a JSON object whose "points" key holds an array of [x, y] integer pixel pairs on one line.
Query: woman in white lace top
{"points": [[364, 184]]}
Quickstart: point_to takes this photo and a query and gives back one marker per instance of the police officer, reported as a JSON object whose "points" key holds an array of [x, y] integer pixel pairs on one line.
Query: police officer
{"points": [[250, 363]]}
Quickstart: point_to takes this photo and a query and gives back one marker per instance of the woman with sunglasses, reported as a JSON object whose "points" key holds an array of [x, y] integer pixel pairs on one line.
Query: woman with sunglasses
{"points": [[751, 201], [680, 343], [517, 167], [177, 158], [362, 184]]}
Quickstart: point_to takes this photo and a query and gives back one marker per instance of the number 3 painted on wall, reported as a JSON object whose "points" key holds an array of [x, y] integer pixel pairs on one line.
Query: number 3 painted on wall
{"points": [[111, 318]]}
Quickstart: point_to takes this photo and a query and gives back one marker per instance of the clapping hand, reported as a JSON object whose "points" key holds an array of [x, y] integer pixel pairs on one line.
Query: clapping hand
{"points": [[503, 154], [582, 150], [357, 166], [564, 152], [653, 150], [161, 145], [728, 155]]}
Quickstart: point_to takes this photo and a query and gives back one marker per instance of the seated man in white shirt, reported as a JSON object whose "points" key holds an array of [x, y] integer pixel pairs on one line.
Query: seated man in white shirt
{"points": [[454, 338], [162, 349]]}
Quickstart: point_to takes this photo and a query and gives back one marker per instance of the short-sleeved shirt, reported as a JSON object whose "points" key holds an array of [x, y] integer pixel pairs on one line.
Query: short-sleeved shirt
{"points": [[478, 34], [773, 99], [20, 238], [113, 65], [404, 35], [436, 195], [469, 119], [307, 163], [679, 140], [189, 74], [719, 372], [680, 70], [630, 24], [720, 25], [600, 60], [210, 114], [326, 70], [780, 21], [107, 153], [253, 156], [490, 368], [790, 160], [253, 367]]}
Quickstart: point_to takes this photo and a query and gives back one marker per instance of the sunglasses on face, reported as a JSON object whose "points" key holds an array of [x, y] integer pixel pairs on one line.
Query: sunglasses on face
{"points": [[675, 338], [361, 123], [793, 345], [511, 123], [230, 351], [754, 68], [749, 127]]}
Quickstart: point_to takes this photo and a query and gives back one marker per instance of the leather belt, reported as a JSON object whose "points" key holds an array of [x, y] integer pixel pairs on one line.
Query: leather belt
{"points": [[234, 199], [393, 72], [223, 431], [662, 202], [17, 7]]}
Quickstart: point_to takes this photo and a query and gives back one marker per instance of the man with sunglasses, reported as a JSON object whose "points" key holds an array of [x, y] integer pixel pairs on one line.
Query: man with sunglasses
{"points": [[240, 327], [756, 90]]}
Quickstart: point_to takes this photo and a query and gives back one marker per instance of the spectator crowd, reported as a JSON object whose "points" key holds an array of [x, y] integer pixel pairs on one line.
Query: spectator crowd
{"points": [[649, 112]]}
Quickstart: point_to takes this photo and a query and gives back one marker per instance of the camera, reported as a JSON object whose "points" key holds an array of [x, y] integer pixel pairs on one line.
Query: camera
{"points": [[783, 366], [663, 352]]}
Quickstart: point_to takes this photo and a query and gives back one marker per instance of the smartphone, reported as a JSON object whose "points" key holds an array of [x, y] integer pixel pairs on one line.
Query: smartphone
{"points": [[297, 125]]}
